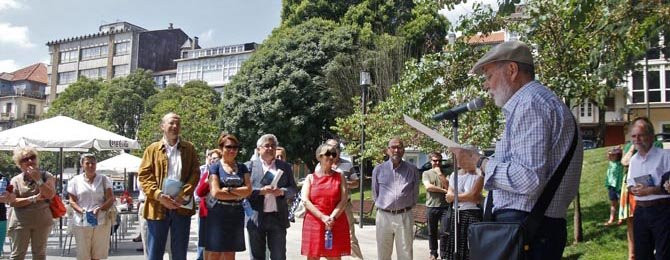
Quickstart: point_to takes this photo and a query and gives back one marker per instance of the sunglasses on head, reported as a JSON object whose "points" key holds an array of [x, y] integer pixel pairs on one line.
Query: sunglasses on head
{"points": [[32, 157]]}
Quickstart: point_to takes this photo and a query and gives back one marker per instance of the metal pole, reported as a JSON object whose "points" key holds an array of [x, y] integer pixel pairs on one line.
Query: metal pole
{"points": [[362, 178], [59, 192], [646, 80], [454, 124]]}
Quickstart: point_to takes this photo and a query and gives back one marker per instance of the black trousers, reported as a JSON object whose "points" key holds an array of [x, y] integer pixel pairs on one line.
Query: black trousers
{"points": [[269, 232], [436, 218], [651, 230]]}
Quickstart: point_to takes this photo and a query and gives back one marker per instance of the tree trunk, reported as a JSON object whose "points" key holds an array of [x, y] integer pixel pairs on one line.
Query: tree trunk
{"points": [[578, 232], [602, 127]]}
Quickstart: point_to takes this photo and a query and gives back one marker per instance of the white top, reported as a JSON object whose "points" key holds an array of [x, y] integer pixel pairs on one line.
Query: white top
{"points": [[270, 202], [655, 163], [466, 182], [89, 196], [174, 160]]}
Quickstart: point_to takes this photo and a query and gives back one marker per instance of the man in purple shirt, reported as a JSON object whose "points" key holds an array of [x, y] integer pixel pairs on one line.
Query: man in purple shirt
{"points": [[395, 190]]}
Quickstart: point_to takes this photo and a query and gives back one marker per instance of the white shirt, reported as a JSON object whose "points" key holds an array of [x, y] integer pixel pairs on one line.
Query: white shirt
{"points": [[89, 196], [655, 163], [270, 202], [466, 183], [174, 160]]}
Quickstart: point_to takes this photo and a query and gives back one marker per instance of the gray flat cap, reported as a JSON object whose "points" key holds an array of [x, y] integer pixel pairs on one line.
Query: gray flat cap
{"points": [[509, 51]]}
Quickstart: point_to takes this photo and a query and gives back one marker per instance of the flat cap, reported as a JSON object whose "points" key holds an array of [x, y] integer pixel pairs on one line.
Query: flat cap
{"points": [[507, 51]]}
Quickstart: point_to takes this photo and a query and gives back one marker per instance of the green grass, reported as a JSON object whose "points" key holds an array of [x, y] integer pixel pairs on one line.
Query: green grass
{"points": [[599, 242]]}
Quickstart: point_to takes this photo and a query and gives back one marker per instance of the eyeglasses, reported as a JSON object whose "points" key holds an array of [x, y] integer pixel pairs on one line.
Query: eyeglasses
{"points": [[215, 158], [32, 158], [231, 147], [269, 146]]}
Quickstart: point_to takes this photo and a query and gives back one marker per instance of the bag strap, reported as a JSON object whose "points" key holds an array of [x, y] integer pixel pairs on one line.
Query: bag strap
{"points": [[533, 220]]}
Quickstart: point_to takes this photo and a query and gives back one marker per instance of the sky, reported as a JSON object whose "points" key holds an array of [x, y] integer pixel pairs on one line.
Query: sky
{"points": [[27, 25]]}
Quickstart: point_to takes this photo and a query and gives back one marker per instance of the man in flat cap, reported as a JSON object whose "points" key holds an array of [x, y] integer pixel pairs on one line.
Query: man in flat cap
{"points": [[539, 129]]}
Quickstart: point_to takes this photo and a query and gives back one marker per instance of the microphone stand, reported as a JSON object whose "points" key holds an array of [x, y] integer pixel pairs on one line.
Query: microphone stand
{"points": [[454, 125]]}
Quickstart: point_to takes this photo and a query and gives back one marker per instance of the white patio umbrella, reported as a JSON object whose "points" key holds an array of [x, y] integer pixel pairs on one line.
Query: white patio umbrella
{"points": [[62, 133], [120, 164]]}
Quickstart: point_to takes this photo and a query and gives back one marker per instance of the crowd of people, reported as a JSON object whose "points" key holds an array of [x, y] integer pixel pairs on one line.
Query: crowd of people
{"points": [[540, 134]]}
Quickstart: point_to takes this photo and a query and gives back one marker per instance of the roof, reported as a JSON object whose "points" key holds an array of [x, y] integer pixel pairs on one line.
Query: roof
{"points": [[36, 72], [491, 38]]}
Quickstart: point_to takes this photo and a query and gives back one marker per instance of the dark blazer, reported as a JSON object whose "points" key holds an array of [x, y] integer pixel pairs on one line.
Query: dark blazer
{"points": [[286, 183]]}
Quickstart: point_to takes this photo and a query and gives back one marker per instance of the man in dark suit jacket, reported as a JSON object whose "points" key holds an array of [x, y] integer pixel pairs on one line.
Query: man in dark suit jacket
{"points": [[269, 201]]}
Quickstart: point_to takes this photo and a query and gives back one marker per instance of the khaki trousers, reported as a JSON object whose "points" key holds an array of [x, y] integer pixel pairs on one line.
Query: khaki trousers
{"points": [[93, 242], [36, 237], [398, 228], [355, 248]]}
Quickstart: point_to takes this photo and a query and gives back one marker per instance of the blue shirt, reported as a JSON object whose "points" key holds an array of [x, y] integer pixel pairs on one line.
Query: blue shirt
{"points": [[539, 129], [394, 189]]}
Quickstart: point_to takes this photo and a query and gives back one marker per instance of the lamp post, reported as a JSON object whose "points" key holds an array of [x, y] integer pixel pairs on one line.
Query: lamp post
{"points": [[364, 82]]}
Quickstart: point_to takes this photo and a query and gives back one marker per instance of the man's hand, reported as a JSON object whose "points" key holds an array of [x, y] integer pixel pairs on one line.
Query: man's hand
{"points": [[466, 159], [97, 209], [641, 190], [7, 197], [168, 202]]}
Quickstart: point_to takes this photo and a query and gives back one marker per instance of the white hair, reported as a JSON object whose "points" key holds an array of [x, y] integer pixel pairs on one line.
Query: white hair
{"points": [[266, 137]]}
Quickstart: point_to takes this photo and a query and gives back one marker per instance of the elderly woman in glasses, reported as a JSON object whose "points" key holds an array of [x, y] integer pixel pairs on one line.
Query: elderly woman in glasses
{"points": [[90, 198], [230, 183], [31, 221], [325, 196]]}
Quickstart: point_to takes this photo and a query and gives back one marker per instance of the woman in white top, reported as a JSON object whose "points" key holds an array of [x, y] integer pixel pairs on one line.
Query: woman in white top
{"points": [[469, 197], [90, 198]]}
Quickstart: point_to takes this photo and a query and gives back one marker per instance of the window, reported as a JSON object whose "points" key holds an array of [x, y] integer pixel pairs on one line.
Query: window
{"points": [[94, 73], [121, 48], [610, 104], [638, 87], [121, 70], [8, 108], [67, 77], [32, 109], [94, 52], [665, 128], [654, 86], [68, 56]]}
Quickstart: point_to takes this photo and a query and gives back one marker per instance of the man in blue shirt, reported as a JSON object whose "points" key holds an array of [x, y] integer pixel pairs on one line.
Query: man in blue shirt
{"points": [[539, 129]]}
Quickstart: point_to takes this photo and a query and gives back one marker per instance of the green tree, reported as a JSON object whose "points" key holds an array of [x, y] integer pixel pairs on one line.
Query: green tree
{"points": [[80, 101], [196, 104], [125, 98]]}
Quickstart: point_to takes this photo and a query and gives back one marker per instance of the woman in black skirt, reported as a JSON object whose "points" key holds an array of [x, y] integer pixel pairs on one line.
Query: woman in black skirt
{"points": [[230, 183], [469, 197]]}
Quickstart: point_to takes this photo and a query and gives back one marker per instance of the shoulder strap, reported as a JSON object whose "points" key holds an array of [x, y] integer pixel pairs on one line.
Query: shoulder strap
{"points": [[533, 221]]}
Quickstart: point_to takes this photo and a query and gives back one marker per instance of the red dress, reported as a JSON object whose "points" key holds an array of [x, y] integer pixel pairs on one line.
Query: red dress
{"points": [[325, 193]]}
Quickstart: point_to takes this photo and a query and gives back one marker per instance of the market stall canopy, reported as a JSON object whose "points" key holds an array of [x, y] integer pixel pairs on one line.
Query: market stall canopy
{"points": [[63, 132], [120, 163]]}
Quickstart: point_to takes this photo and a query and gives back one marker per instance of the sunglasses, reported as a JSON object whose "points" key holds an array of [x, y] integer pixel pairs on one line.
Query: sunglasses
{"points": [[435, 160], [330, 154], [25, 159], [231, 147]]}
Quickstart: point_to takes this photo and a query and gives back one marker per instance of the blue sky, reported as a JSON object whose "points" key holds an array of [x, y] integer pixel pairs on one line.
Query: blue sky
{"points": [[26, 25]]}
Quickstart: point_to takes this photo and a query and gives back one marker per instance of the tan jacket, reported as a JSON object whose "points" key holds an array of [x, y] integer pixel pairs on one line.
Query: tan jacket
{"points": [[153, 171]]}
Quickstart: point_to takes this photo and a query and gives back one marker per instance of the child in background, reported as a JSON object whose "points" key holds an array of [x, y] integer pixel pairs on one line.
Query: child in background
{"points": [[613, 181]]}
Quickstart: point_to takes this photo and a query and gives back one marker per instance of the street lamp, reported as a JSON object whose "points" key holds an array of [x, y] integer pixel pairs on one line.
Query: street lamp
{"points": [[365, 82]]}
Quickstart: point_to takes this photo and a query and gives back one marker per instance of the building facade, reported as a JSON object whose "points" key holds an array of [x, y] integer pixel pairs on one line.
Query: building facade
{"points": [[216, 65], [116, 50], [22, 95]]}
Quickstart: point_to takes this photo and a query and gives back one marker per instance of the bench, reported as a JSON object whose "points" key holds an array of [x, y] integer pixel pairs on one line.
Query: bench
{"points": [[368, 205], [420, 218]]}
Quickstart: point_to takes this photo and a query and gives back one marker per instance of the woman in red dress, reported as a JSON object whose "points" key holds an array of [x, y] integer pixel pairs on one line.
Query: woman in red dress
{"points": [[324, 195]]}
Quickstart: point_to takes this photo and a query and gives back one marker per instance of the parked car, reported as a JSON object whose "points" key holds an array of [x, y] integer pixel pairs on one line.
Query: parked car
{"points": [[589, 144], [445, 165]]}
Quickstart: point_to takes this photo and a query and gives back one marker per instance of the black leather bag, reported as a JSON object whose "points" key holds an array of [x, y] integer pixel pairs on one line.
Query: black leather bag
{"points": [[507, 240]]}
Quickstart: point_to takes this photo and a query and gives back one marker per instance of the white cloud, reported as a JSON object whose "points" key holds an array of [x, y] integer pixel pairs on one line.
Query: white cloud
{"points": [[9, 4], [8, 66], [15, 35], [206, 38], [465, 8]]}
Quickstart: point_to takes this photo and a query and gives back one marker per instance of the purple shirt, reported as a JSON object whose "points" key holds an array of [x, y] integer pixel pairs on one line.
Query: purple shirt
{"points": [[394, 189]]}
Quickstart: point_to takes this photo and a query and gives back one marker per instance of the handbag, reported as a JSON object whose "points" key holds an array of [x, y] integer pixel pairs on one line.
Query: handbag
{"points": [[111, 212], [510, 240], [57, 207]]}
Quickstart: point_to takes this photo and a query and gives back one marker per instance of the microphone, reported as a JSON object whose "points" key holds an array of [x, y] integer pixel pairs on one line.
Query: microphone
{"points": [[473, 105]]}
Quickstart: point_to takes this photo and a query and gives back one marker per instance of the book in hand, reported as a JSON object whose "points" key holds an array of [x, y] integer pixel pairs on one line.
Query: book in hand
{"points": [[91, 218], [172, 187], [645, 180], [267, 178]]}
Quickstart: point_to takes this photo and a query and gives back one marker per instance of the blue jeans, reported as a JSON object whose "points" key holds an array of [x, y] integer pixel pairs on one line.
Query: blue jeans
{"points": [[157, 231], [551, 236], [651, 230]]}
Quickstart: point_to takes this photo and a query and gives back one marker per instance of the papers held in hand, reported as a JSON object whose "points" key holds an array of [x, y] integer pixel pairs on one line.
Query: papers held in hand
{"points": [[272, 179], [645, 180], [431, 133]]}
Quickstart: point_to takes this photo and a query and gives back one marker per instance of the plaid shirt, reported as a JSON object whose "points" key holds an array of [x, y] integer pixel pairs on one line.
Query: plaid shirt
{"points": [[538, 132]]}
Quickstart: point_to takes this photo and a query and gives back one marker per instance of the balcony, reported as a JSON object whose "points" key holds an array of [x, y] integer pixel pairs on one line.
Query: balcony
{"points": [[22, 93], [30, 116]]}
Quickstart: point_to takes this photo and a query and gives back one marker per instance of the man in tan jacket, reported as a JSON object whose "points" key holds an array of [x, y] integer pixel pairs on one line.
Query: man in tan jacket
{"points": [[168, 174]]}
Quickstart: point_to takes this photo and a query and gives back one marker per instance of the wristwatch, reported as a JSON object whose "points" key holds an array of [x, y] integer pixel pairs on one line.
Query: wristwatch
{"points": [[228, 189]]}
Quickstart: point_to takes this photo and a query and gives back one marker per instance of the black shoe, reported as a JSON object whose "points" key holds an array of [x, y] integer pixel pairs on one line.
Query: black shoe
{"points": [[137, 239], [139, 249]]}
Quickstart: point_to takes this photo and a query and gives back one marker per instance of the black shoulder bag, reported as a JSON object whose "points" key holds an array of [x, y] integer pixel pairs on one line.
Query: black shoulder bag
{"points": [[510, 240]]}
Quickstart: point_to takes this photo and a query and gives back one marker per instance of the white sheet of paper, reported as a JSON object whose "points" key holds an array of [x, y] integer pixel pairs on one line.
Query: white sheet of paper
{"points": [[431, 133], [276, 179]]}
